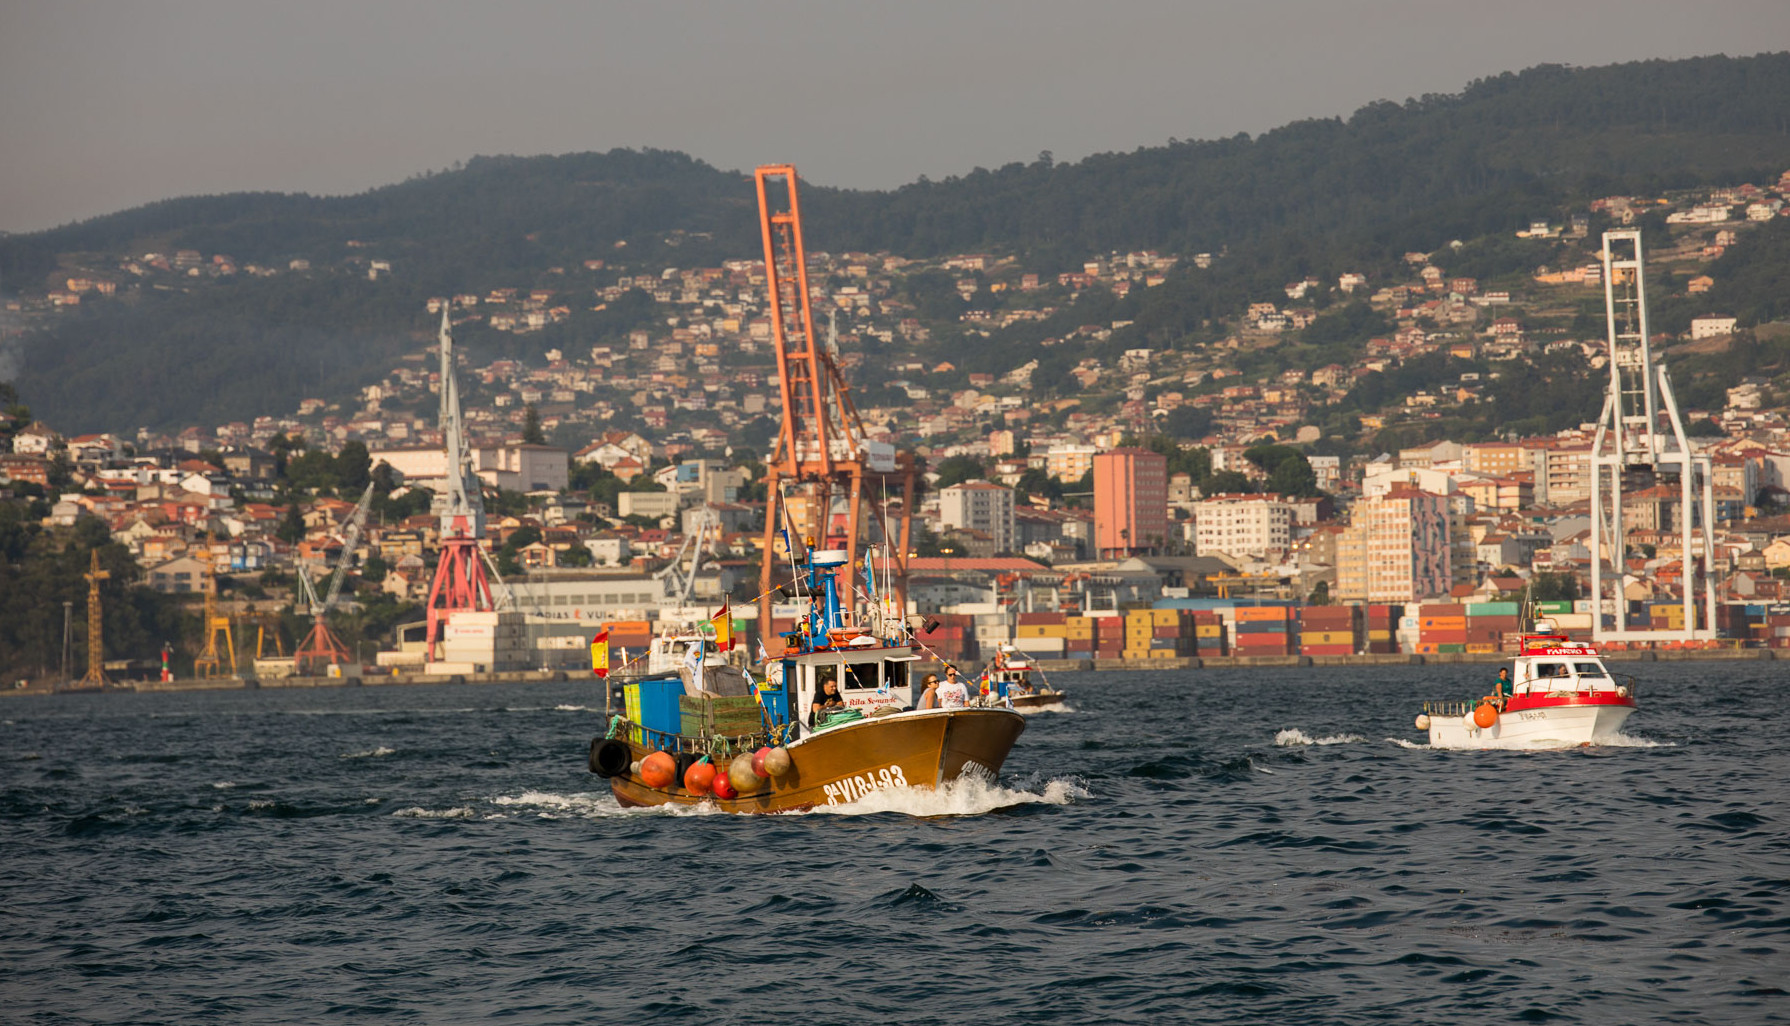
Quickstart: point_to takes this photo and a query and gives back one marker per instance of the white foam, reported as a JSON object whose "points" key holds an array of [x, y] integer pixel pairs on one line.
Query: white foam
{"points": [[462, 812], [971, 795], [224, 785], [1628, 741], [1512, 745], [1294, 736], [575, 708], [1056, 707], [371, 753], [593, 805]]}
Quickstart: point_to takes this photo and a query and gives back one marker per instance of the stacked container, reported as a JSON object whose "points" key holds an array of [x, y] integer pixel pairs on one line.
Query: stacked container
{"points": [[1079, 639], [954, 638], [1665, 616], [1328, 630], [1490, 623], [1379, 628], [1442, 627], [1109, 637], [1208, 633], [1263, 630], [1042, 635]]}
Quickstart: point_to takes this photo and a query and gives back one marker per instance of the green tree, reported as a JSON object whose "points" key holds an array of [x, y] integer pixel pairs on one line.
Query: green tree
{"points": [[353, 467], [292, 526], [958, 469], [531, 427]]}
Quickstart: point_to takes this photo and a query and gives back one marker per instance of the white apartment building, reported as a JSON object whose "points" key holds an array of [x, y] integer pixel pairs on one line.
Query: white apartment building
{"points": [[1069, 462], [980, 506], [1243, 525]]}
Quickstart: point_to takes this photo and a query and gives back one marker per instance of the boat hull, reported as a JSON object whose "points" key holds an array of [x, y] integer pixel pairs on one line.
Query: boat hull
{"points": [[1564, 725], [1043, 700], [837, 766]]}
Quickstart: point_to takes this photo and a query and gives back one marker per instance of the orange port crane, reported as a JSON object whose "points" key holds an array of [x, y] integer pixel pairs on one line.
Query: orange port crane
{"points": [[822, 455]]}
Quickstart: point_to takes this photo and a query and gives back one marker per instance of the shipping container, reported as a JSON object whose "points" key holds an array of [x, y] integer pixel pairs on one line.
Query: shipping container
{"points": [[1327, 638], [1327, 650]]}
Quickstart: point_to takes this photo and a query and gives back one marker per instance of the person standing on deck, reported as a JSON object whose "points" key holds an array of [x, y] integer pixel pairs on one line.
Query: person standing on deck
{"points": [[693, 663]]}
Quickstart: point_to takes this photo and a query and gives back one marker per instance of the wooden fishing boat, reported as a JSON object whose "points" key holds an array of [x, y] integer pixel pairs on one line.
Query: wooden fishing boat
{"points": [[750, 744]]}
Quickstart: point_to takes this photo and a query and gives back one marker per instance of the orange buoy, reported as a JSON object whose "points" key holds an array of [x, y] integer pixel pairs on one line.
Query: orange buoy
{"points": [[1485, 716], [724, 787], [700, 778], [658, 770]]}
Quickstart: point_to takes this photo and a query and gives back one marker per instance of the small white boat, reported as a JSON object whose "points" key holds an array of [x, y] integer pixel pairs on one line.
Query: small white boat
{"points": [[1009, 679], [1563, 695]]}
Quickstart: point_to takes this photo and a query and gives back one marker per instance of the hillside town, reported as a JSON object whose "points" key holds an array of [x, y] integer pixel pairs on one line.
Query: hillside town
{"points": [[624, 479]]}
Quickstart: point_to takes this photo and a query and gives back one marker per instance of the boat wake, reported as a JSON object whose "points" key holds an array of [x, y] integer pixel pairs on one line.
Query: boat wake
{"points": [[371, 753], [1613, 741], [972, 795], [1055, 707], [968, 796], [1294, 737]]}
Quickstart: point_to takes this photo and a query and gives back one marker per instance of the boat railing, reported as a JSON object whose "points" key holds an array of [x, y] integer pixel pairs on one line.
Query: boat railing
{"points": [[1449, 708]]}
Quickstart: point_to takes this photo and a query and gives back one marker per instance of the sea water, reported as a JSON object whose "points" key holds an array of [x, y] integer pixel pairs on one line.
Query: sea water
{"points": [[1201, 846]]}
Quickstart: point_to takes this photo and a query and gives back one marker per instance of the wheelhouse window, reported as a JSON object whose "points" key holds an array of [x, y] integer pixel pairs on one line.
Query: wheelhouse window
{"points": [[1550, 669], [861, 676], [1589, 669]]}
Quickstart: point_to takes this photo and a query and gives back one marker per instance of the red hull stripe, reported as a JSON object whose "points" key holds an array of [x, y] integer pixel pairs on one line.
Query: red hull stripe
{"points": [[1585, 698]]}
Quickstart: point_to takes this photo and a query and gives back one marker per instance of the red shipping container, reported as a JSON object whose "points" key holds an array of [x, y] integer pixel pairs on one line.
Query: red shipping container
{"points": [[1438, 637], [1327, 650]]}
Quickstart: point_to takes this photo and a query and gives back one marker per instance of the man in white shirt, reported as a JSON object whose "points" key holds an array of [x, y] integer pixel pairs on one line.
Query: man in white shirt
{"points": [[952, 694]]}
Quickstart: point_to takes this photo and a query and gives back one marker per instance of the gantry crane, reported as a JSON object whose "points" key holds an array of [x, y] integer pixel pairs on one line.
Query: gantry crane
{"points": [[1640, 443], [211, 661], [822, 454], [321, 647], [464, 575]]}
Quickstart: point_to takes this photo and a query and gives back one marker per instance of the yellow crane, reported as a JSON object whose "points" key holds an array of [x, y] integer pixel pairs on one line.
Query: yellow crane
{"points": [[96, 645], [210, 662]]}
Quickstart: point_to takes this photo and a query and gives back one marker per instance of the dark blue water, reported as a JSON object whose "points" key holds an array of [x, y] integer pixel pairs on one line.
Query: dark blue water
{"points": [[440, 855]]}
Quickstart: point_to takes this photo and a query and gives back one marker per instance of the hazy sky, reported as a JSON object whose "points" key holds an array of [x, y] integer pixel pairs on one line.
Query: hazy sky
{"points": [[107, 105]]}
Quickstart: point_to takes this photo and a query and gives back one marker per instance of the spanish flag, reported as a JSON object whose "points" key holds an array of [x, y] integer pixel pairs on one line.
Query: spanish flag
{"points": [[599, 653], [723, 624]]}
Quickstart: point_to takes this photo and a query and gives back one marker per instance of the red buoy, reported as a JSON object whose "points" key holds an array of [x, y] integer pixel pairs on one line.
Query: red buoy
{"points": [[758, 762], [700, 778], [724, 787], [658, 770]]}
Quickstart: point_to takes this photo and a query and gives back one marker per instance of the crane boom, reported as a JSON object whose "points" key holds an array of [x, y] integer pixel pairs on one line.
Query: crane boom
{"points": [[356, 523]]}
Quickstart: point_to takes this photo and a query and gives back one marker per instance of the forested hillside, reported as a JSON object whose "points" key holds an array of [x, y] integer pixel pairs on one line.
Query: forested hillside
{"points": [[1294, 201]]}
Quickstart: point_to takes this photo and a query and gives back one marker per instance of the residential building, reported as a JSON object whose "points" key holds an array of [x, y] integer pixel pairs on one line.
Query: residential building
{"points": [[1405, 537], [1130, 502], [980, 506], [1069, 462], [1243, 525]]}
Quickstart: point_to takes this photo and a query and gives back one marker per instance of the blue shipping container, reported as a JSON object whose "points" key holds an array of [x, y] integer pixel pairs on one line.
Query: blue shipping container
{"points": [[658, 704]]}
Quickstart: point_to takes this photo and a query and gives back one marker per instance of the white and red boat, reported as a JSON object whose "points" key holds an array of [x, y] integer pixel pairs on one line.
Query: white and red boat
{"points": [[1562, 695]]}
